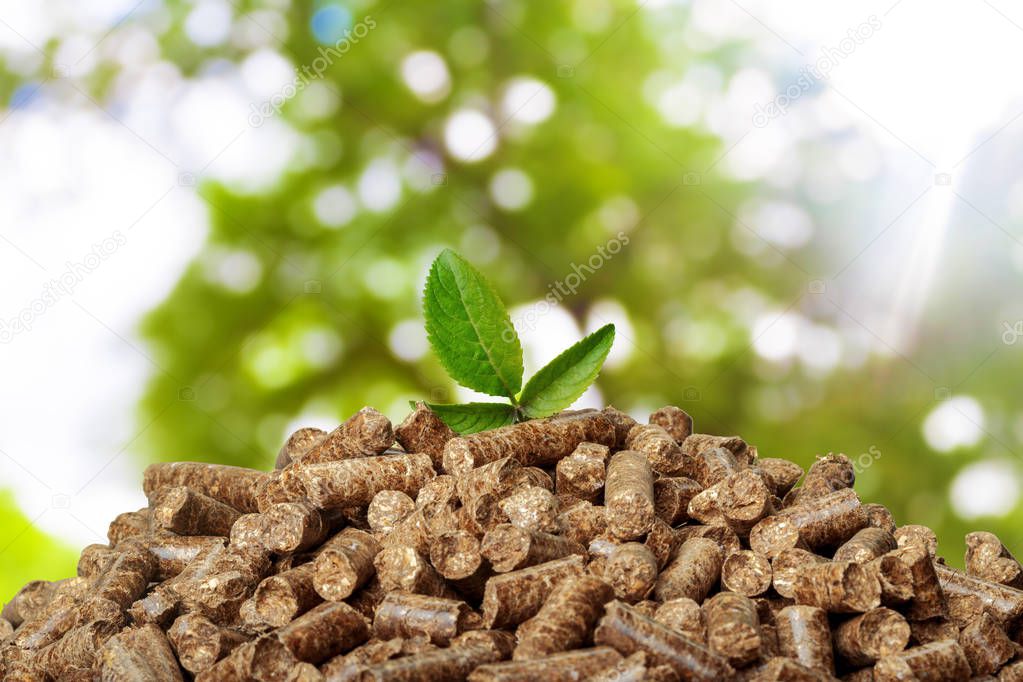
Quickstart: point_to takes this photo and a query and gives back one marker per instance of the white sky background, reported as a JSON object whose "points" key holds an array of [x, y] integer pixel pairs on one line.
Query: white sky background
{"points": [[934, 81]]}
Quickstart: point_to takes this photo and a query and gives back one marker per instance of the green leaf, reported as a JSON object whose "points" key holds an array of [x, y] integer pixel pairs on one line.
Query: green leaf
{"points": [[567, 376], [473, 417], [469, 328]]}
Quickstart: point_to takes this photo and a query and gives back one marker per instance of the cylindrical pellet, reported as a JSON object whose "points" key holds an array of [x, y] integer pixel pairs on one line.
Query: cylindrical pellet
{"points": [[403, 568], [77, 649], [987, 558], [298, 443], [282, 597], [344, 564], [693, 572], [743, 500], [672, 496], [629, 495], [185, 511], [804, 635], [387, 508], [200, 643], [423, 431], [234, 486], [915, 534], [407, 615], [879, 516], [928, 596], [631, 570], [627, 631], [174, 552], [365, 434], [820, 522], [509, 548], [532, 508], [723, 536], [582, 473], [453, 664], [746, 573], [325, 630], [354, 482], [582, 522], [566, 619], [986, 645], [683, 615], [864, 639], [622, 424], [779, 474], [570, 666], [838, 587], [699, 443], [868, 544], [942, 661], [826, 475], [295, 527], [137, 655], [733, 628], [456, 554], [511, 598], [968, 597], [674, 420], [661, 450]]}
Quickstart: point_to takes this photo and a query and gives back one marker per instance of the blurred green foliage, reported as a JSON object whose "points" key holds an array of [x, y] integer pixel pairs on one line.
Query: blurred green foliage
{"points": [[38, 556]]}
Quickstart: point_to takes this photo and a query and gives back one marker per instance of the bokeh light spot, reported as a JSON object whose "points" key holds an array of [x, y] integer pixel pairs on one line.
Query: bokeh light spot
{"points": [[329, 24], [955, 423], [989, 488]]}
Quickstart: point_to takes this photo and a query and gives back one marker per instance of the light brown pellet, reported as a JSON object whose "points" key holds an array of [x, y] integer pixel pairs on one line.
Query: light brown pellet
{"points": [[509, 548], [674, 420], [629, 495], [987, 558], [744, 500], [199, 642], [566, 619], [582, 522], [780, 475], [188, 512], [733, 628], [932, 630], [724, 536], [403, 568], [570, 666], [281, 598], [511, 598], [627, 631], [837, 587], [129, 525], [942, 661], [661, 450], [423, 431], [324, 631], [75, 650], [864, 639], [684, 616], [174, 552], [804, 635], [456, 554], [532, 508], [581, 474], [354, 482], [364, 434], [693, 572], [387, 508], [234, 486], [441, 664], [698, 443], [820, 522], [622, 424], [631, 570], [915, 534], [344, 564], [868, 544], [928, 596], [662, 542], [878, 516], [712, 465], [295, 527], [968, 597], [137, 654], [826, 475], [746, 573], [297, 444], [897, 582], [407, 615], [986, 645]]}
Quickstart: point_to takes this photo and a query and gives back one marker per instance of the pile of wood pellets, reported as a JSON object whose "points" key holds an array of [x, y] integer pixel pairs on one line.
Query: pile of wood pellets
{"points": [[585, 546]]}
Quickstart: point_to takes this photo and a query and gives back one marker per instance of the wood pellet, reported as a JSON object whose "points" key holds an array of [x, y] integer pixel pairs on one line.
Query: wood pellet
{"points": [[585, 546]]}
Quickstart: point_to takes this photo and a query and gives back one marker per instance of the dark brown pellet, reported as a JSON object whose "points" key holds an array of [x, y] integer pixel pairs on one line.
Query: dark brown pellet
{"points": [[627, 631], [298, 443], [199, 642], [354, 482], [622, 424], [928, 596], [532, 508], [629, 495], [423, 431], [325, 630], [988, 559], [566, 619], [271, 491], [968, 597], [942, 661], [174, 552], [188, 512], [674, 420], [672, 496], [915, 534], [29, 601], [932, 630], [743, 499], [248, 532], [804, 635], [826, 475], [684, 616], [864, 639], [631, 570], [127, 577], [534, 443], [838, 587], [733, 628], [453, 664], [897, 581], [77, 649], [137, 655], [820, 522], [570, 666], [509, 548], [282, 597], [693, 572], [878, 516], [724, 536], [662, 542], [581, 474], [234, 486], [130, 525], [659, 447], [387, 508], [746, 573], [986, 645], [365, 434], [711, 466], [403, 568], [698, 443], [407, 615], [511, 598], [456, 554], [582, 522], [780, 475], [868, 544], [94, 560]]}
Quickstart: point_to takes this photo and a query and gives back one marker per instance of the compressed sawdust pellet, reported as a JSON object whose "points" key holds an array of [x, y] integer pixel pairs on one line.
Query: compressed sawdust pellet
{"points": [[566, 619], [407, 615], [804, 635], [141, 653], [628, 631], [694, 571], [387, 508], [631, 570], [423, 431], [746, 573], [988, 558], [509, 548], [629, 495], [297, 444], [674, 420], [226, 574], [365, 434], [864, 639], [938, 662], [234, 486]]}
